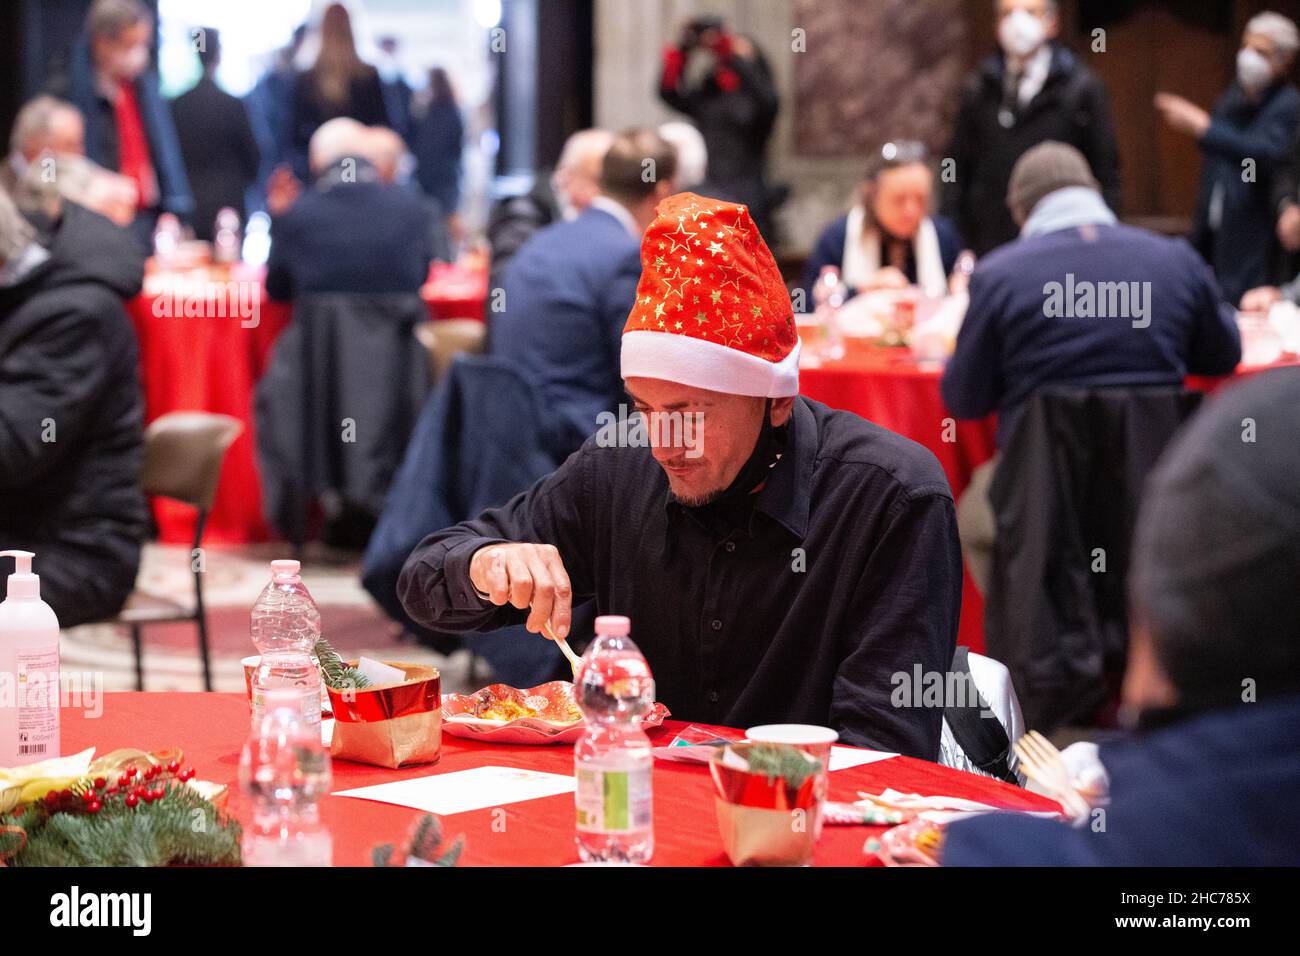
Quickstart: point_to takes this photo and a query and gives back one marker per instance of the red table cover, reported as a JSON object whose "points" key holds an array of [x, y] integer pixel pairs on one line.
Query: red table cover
{"points": [[212, 362], [211, 729]]}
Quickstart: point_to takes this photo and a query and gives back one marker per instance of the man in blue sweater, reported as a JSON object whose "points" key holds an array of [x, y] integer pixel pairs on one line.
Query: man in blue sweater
{"points": [[1078, 300], [569, 288], [1213, 680]]}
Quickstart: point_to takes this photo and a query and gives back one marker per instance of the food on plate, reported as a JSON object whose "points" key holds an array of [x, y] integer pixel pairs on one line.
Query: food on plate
{"points": [[506, 704]]}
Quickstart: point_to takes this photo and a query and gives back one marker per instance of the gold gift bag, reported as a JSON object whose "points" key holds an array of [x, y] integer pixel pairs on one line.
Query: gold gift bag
{"points": [[390, 725]]}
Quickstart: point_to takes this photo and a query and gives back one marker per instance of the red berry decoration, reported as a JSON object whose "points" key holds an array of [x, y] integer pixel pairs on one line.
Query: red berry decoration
{"points": [[65, 793], [173, 766], [51, 798], [123, 780], [189, 773], [100, 783], [130, 771], [88, 796], [159, 792], [95, 807], [132, 799]]}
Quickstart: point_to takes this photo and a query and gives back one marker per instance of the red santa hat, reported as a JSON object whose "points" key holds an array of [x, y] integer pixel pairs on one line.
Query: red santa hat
{"points": [[711, 309]]}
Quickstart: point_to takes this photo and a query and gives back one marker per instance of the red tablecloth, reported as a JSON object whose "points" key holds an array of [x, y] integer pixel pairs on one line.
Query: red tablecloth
{"points": [[888, 387], [211, 729], [198, 354]]}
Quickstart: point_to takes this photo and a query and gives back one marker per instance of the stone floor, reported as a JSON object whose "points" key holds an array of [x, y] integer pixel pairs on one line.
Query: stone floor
{"points": [[234, 577]]}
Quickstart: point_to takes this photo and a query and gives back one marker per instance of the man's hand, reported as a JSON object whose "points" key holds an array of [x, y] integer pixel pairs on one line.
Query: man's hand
{"points": [[1260, 299], [526, 575], [282, 189], [1288, 227], [1182, 114]]}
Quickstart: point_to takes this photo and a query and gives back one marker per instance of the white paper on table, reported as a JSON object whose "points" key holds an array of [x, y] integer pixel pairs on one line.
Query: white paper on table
{"points": [[842, 758], [326, 731], [464, 790], [377, 672]]}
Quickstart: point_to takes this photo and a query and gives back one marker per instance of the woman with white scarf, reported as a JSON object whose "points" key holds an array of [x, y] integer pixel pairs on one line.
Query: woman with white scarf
{"points": [[889, 240]]}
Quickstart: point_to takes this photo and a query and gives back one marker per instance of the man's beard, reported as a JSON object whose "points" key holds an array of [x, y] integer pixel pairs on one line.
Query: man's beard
{"points": [[696, 501]]}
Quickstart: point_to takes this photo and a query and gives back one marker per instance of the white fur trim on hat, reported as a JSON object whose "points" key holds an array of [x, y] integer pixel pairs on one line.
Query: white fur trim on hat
{"points": [[690, 361]]}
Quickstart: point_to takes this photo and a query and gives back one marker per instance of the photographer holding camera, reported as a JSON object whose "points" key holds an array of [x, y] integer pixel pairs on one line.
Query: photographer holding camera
{"points": [[724, 84]]}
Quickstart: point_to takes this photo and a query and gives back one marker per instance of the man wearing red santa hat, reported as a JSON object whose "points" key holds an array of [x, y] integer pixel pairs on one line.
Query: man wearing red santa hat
{"points": [[780, 561]]}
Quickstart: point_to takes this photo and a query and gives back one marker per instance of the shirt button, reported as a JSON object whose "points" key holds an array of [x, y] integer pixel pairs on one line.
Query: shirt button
{"points": [[731, 546], [713, 697], [716, 625]]}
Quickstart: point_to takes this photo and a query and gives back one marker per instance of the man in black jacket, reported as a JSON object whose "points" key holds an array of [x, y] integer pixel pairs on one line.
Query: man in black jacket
{"points": [[217, 143], [1031, 91], [781, 561], [71, 412]]}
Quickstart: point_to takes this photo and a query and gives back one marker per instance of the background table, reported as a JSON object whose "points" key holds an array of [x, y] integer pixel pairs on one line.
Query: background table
{"points": [[212, 363], [211, 729]]}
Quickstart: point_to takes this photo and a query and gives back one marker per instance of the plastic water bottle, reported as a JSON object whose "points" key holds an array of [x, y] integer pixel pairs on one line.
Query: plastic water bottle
{"points": [[286, 626], [285, 771], [612, 760], [828, 296], [226, 244]]}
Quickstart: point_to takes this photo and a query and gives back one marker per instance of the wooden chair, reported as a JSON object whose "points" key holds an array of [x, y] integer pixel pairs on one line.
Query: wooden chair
{"points": [[182, 461]]}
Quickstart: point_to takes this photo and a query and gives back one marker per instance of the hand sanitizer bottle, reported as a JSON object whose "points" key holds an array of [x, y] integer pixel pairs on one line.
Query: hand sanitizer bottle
{"points": [[29, 669]]}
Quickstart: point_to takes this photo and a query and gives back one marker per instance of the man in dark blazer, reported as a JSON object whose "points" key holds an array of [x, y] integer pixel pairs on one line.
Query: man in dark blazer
{"points": [[128, 126], [568, 291], [221, 155], [1029, 92], [1244, 144]]}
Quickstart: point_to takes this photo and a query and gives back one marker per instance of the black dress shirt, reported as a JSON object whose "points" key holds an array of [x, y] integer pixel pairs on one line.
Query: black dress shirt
{"points": [[846, 572]]}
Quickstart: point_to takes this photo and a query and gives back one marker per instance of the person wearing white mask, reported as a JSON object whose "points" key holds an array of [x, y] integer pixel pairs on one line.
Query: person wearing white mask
{"points": [[129, 130], [1031, 91], [1244, 142]]}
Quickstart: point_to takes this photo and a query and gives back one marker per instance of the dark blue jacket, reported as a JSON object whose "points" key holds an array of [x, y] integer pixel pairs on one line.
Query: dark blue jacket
{"points": [[363, 236], [1243, 251], [450, 474], [77, 86], [436, 143], [1009, 345], [1219, 789], [829, 251], [568, 292]]}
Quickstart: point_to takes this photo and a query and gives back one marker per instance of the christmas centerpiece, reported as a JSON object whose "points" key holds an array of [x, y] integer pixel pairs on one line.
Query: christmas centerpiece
{"points": [[385, 713], [127, 808], [768, 798]]}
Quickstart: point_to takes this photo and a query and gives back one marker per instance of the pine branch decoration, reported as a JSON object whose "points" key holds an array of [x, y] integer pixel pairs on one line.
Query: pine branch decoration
{"points": [[336, 672]]}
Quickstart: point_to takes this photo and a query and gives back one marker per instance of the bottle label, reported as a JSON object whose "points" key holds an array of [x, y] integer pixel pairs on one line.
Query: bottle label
{"points": [[613, 801], [311, 709], [38, 703]]}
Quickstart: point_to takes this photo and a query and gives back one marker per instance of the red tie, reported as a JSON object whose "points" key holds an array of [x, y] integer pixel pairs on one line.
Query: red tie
{"points": [[133, 146]]}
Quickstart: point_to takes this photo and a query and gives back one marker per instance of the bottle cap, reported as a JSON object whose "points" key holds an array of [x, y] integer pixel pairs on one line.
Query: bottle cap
{"points": [[285, 566], [615, 625], [22, 583]]}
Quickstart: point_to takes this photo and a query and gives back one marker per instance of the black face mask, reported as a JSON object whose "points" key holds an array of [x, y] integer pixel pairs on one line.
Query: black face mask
{"points": [[768, 450]]}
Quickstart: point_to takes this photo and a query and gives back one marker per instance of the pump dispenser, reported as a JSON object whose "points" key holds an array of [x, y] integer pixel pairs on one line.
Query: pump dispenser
{"points": [[29, 669]]}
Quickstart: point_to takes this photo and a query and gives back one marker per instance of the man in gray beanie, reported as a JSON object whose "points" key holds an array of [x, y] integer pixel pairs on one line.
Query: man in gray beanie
{"points": [[1078, 300], [1212, 775]]}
